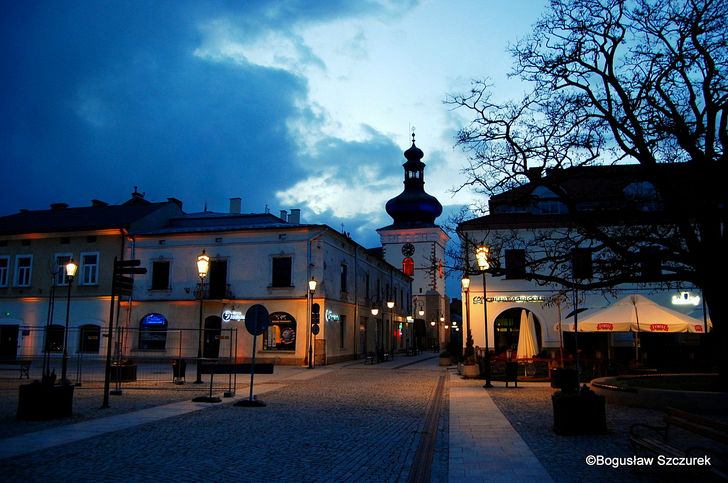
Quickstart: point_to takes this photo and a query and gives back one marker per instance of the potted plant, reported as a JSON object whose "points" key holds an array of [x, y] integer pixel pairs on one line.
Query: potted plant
{"points": [[470, 369], [41, 400], [578, 411]]}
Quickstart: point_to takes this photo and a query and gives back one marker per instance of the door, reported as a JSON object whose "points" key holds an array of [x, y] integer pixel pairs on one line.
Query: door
{"points": [[8, 341], [211, 348], [90, 336]]}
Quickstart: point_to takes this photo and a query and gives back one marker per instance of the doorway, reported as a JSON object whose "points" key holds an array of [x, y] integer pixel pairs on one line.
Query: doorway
{"points": [[211, 348], [507, 327], [8, 341]]}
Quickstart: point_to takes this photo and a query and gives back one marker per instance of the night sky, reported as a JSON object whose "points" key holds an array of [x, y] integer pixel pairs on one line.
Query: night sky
{"points": [[295, 104]]}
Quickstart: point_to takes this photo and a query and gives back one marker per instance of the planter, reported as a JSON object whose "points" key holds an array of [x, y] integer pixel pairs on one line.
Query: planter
{"points": [[582, 412], [470, 371], [565, 379], [445, 361], [38, 401], [123, 372]]}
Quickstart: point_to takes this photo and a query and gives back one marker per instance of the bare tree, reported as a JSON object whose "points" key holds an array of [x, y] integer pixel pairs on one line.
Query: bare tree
{"points": [[616, 81]]}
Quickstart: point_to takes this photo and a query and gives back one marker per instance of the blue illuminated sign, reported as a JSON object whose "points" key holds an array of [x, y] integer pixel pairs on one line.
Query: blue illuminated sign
{"points": [[154, 319]]}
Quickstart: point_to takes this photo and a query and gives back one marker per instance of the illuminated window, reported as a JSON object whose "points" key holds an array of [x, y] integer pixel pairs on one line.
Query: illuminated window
{"points": [[408, 266], [23, 270], [60, 268], [153, 332], [281, 333]]}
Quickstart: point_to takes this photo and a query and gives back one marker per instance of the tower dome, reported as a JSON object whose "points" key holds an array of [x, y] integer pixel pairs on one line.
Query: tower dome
{"points": [[413, 207]]}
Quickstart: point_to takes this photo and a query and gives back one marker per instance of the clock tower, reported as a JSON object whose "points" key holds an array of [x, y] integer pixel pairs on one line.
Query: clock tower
{"points": [[416, 244]]}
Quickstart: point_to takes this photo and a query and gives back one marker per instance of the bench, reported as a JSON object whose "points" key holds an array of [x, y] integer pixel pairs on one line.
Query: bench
{"points": [[22, 364], [711, 437]]}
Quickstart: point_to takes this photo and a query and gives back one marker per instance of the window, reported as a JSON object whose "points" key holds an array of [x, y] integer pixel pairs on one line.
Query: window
{"points": [[23, 270], [153, 332], [281, 272], [581, 264], [650, 263], [408, 266], [160, 275], [54, 338], [90, 336], [218, 279], [515, 264], [343, 277], [89, 269], [59, 268], [281, 333], [342, 330], [4, 268]]}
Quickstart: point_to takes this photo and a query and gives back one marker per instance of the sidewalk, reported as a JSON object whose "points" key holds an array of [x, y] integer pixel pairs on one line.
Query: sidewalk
{"points": [[483, 445]]}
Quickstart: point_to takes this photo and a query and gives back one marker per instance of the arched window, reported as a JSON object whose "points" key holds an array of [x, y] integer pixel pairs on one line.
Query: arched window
{"points": [[281, 333], [153, 332], [54, 338], [408, 266], [89, 339]]}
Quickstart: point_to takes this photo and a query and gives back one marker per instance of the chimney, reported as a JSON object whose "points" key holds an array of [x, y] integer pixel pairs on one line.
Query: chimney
{"points": [[295, 216], [98, 203], [235, 205], [284, 215], [58, 206]]}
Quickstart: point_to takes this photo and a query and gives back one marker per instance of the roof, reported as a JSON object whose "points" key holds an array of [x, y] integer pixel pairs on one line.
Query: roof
{"points": [[615, 194], [64, 219]]}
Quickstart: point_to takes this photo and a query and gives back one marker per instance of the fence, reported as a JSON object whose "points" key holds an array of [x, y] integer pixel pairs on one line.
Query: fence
{"points": [[140, 358]]}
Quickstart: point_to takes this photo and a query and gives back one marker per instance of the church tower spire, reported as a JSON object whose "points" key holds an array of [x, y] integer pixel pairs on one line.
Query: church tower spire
{"points": [[413, 207]]}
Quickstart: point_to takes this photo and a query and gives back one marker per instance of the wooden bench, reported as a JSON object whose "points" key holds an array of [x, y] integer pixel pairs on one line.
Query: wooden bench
{"points": [[22, 364], [712, 434]]}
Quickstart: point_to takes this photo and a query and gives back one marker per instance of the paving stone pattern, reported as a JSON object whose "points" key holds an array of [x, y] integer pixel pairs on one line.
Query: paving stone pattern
{"points": [[321, 429]]}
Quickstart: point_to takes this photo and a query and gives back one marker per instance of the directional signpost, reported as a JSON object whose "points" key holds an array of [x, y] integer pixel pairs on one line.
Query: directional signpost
{"points": [[257, 321], [121, 284]]}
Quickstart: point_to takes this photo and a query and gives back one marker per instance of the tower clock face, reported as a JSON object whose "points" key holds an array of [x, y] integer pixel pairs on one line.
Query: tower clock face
{"points": [[408, 250]]}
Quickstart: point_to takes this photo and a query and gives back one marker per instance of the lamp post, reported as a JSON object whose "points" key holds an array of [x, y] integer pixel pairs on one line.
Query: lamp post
{"points": [[390, 306], [481, 255], [71, 268], [311, 291], [465, 282], [375, 312], [203, 266]]}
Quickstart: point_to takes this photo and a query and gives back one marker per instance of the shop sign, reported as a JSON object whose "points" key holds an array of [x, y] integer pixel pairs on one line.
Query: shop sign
{"points": [[331, 316], [510, 298], [659, 328], [685, 298], [230, 315], [605, 326]]}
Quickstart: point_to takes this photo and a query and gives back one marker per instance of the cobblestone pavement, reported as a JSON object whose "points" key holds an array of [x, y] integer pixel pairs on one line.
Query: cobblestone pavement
{"points": [[348, 424], [529, 410]]}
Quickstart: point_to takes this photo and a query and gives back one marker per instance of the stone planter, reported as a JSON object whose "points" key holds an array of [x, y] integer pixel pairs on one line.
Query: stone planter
{"points": [[38, 401], [582, 412], [565, 379], [470, 371]]}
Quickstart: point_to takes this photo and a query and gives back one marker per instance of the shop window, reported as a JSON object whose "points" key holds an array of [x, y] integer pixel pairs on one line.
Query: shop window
{"points": [[281, 333], [281, 272], [54, 338], [153, 332], [160, 275], [515, 264], [90, 337]]}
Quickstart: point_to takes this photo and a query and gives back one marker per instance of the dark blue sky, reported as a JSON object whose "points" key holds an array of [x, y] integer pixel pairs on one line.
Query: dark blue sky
{"points": [[295, 104]]}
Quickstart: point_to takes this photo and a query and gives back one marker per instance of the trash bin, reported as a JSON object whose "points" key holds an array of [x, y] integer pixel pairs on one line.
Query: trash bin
{"points": [[512, 373], [178, 371]]}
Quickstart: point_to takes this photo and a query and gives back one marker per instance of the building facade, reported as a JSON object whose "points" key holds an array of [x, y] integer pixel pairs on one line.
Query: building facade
{"points": [[532, 226]]}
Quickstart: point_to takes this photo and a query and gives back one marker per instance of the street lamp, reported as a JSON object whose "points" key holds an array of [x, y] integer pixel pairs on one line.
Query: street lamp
{"points": [[311, 291], [481, 255], [465, 282], [71, 268], [375, 312], [203, 266], [390, 306]]}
